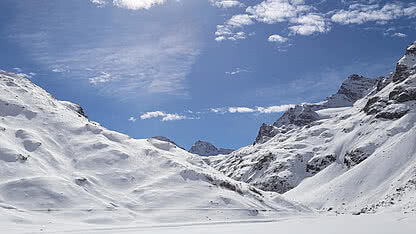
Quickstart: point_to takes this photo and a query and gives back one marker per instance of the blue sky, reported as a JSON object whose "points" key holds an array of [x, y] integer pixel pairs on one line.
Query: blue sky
{"points": [[199, 69]]}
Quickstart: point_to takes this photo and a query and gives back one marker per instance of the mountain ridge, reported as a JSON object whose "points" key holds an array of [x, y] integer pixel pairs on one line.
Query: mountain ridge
{"points": [[316, 155]]}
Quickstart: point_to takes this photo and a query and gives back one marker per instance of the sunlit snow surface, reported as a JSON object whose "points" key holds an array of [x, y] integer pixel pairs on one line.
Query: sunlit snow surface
{"points": [[390, 223], [57, 167]]}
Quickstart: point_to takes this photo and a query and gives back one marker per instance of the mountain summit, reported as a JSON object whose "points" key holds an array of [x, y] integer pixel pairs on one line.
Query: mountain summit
{"points": [[204, 148], [356, 147]]}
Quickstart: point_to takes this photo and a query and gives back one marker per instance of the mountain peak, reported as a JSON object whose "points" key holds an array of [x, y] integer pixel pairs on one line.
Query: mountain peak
{"points": [[411, 50], [352, 89], [204, 148]]}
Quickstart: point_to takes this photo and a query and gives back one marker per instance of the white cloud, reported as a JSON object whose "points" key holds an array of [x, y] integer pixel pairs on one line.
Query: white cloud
{"points": [[237, 71], [17, 69], [277, 38], [220, 110], [239, 20], [152, 114], [123, 69], [104, 77], [274, 109], [171, 117], [226, 3], [137, 4], [129, 4], [240, 110], [275, 11], [99, 2], [132, 119], [228, 30], [306, 19], [361, 13], [165, 116], [258, 109], [399, 35], [301, 18], [309, 24]]}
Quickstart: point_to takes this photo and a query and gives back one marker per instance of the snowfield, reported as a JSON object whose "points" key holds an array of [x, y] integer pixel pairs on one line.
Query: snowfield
{"points": [[344, 165], [56, 167]]}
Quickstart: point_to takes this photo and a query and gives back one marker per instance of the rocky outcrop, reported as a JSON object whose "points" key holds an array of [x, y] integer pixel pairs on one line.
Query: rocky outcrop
{"points": [[317, 164], [75, 107], [162, 138], [203, 148], [403, 89]]}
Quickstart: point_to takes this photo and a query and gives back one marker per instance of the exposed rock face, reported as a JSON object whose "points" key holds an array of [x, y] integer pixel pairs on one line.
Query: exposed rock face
{"points": [[265, 133], [75, 107], [317, 164], [162, 138], [300, 115], [406, 65], [404, 90], [204, 148]]}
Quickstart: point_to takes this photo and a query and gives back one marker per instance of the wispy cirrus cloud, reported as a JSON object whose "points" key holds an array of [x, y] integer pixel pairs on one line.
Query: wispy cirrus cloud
{"points": [[129, 4], [257, 109], [236, 71], [131, 61]]}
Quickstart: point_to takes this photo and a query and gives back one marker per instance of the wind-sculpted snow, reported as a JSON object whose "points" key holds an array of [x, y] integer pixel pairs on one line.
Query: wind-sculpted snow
{"points": [[357, 158], [57, 164]]}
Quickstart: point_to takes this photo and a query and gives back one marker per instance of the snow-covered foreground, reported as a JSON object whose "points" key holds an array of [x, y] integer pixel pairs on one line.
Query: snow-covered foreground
{"points": [[387, 223]]}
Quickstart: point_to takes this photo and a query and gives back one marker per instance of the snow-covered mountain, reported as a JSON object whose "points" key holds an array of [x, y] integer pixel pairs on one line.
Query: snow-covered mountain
{"points": [[203, 148], [353, 152], [351, 90], [56, 166], [162, 138]]}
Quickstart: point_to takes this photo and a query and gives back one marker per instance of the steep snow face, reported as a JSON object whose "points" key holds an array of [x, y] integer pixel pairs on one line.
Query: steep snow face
{"points": [[356, 159], [57, 165], [203, 148]]}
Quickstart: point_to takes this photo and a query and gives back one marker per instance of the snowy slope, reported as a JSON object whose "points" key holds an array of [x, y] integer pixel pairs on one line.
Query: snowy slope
{"points": [[360, 158], [376, 166], [56, 165]]}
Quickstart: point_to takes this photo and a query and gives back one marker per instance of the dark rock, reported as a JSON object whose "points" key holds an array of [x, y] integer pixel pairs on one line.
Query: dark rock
{"points": [[162, 138], [392, 115], [401, 73], [355, 157], [317, 164], [203, 148], [400, 94], [265, 133]]}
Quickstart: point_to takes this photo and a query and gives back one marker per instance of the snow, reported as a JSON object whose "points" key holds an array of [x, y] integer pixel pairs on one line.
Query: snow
{"points": [[386, 223], [57, 167], [353, 159], [345, 165]]}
